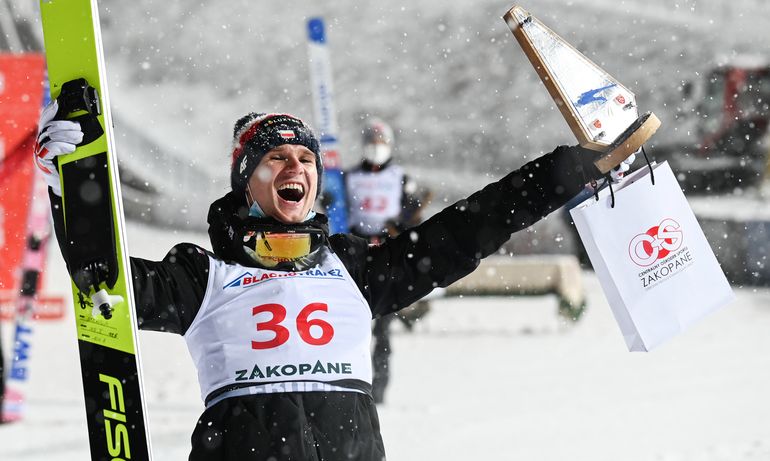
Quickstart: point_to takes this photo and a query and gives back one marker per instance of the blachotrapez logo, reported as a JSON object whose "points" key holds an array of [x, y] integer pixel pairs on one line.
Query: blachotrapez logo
{"points": [[661, 251]]}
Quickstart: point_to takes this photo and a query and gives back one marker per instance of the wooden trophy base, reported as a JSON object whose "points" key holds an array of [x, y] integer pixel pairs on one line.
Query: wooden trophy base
{"points": [[628, 142]]}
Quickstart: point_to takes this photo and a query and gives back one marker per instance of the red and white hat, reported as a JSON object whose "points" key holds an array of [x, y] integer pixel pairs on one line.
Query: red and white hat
{"points": [[254, 135]]}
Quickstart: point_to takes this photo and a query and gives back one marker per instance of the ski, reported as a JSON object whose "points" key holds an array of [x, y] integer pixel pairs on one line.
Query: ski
{"points": [[333, 194], [94, 226]]}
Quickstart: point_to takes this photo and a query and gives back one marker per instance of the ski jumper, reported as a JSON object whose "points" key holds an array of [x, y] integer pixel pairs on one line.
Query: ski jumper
{"points": [[374, 197], [310, 399]]}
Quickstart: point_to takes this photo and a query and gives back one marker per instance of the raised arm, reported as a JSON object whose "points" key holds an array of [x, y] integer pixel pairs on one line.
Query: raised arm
{"points": [[168, 292], [451, 244]]}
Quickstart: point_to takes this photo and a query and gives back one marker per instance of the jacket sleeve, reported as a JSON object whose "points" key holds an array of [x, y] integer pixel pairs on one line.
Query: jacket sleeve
{"points": [[450, 245], [168, 293]]}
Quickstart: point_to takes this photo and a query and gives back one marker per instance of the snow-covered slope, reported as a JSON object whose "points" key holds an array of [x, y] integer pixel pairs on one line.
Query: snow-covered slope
{"points": [[448, 74]]}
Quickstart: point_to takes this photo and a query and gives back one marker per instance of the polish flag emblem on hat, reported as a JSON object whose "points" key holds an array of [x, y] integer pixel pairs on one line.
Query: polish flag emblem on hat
{"points": [[287, 134]]}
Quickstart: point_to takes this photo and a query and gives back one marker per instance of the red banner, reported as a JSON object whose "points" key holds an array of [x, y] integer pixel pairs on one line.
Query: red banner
{"points": [[21, 97]]}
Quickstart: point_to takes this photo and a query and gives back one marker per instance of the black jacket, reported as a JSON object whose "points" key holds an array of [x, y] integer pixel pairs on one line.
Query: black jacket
{"points": [[444, 248]]}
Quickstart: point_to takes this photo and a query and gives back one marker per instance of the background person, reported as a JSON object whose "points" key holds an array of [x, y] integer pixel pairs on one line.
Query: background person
{"points": [[382, 202]]}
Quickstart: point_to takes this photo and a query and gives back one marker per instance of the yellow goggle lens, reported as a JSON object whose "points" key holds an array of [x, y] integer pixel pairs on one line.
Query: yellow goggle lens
{"points": [[280, 247]]}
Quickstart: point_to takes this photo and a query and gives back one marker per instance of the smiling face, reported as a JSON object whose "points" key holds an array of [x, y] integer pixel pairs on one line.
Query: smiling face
{"points": [[285, 182]]}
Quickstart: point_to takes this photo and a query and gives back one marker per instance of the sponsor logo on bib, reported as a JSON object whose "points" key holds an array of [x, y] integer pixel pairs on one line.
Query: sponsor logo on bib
{"points": [[249, 279]]}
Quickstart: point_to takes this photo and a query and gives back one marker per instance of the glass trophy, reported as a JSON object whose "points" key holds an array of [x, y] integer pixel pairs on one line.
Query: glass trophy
{"points": [[601, 112]]}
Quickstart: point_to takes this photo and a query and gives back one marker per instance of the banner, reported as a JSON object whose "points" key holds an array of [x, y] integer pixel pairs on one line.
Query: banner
{"points": [[21, 97]]}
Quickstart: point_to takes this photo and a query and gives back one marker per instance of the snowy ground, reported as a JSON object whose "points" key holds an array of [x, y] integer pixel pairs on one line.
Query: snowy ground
{"points": [[482, 378]]}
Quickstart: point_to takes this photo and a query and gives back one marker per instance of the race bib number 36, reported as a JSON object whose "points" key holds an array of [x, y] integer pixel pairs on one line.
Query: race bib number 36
{"points": [[303, 325]]}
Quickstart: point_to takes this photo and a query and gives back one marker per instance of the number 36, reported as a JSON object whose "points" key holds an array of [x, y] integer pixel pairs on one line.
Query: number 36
{"points": [[303, 325]]}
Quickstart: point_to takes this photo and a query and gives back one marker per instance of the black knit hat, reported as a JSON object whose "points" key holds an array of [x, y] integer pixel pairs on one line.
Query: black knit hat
{"points": [[254, 135]]}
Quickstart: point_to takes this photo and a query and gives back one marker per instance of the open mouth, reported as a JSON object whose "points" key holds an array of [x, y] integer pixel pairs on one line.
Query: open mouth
{"points": [[292, 192]]}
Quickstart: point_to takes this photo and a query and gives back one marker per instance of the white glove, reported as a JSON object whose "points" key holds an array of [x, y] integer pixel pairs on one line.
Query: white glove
{"points": [[54, 138], [619, 171]]}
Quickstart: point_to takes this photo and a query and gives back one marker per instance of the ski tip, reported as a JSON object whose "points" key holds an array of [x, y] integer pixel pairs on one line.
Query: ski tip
{"points": [[315, 30]]}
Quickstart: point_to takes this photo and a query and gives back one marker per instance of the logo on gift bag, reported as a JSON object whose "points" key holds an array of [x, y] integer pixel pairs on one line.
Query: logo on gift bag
{"points": [[647, 248], [661, 252]]}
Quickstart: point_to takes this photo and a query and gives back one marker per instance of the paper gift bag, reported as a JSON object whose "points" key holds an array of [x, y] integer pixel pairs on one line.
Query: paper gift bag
{"points": [[654, 264]]}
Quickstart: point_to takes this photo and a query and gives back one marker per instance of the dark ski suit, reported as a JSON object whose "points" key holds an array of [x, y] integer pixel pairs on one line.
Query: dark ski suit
{"points": [[446, 247]]}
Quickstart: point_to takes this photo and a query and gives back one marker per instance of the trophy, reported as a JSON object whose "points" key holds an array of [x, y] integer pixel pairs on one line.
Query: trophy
{"points": [[600, 111]]}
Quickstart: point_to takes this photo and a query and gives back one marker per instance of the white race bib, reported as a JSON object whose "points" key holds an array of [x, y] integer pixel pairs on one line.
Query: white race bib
{"points": [[259, 326], [374, 197]]}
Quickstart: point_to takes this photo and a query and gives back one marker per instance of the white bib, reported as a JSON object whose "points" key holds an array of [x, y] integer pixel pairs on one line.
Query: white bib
{"points": [[374, 197], [257, 327]]}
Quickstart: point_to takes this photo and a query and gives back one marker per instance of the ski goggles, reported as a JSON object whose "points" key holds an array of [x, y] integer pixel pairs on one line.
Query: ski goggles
{"points": [[292, 248]]}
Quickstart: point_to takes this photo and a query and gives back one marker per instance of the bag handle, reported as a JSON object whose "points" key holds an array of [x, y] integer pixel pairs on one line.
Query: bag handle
{"points": [[652, 173], [608, 179]]}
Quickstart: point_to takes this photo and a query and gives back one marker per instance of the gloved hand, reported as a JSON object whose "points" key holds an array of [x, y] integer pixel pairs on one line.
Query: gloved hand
{"points": [[54, 138], [619, 171]]}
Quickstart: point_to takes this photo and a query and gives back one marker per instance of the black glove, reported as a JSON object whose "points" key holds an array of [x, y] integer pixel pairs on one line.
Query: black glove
{"points": [[587, 157]]}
